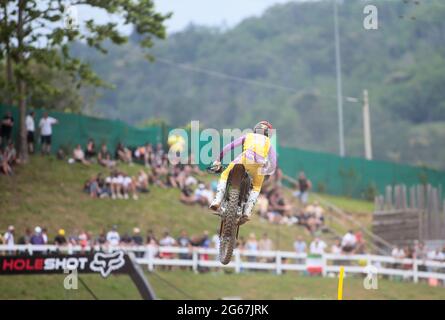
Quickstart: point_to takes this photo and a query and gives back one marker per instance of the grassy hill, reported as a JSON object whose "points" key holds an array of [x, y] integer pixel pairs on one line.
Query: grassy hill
{"points": [[187, 285], [48, 192]]}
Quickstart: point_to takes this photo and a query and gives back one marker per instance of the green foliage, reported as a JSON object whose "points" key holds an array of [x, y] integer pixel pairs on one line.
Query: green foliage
{"points": [[36, 35], [291, 47]]}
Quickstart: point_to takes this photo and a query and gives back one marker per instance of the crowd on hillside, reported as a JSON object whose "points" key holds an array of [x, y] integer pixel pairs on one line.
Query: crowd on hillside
{"points": [[40, 236], [8, 153], [350, 244]]}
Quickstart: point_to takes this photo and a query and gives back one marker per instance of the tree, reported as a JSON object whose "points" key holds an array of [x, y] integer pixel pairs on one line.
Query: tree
{"points": [[40, 32]]}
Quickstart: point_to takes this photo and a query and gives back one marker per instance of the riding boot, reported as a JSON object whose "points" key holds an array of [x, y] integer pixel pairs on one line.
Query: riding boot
{"points": [[251, 200], [220, 191]]}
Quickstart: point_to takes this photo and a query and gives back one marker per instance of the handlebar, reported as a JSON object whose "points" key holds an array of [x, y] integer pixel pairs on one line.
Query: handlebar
{"points": [[211, 169]]}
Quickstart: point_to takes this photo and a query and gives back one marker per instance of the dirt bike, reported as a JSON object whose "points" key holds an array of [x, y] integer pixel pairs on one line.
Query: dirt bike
{"points": [[232, 206]]}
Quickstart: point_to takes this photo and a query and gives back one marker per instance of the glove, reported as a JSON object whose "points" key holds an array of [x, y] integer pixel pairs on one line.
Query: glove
{"points": [[216, 165]]}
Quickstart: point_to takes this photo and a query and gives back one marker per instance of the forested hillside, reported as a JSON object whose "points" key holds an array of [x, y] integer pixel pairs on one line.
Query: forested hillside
{"points": [[289, 56]]}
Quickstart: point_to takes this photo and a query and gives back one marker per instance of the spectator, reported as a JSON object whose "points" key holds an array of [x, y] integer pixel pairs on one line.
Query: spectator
{"points": [[30, 129], [5, 167], [300, 245], [8, 238], [11, 154], [60, 239], [126, 239], [46, 132], [251, 245], [317, 246], [303, 186], [159, 154], [90, 150], [184, 242], [137, 239], [101, 238], [37, 238], [104, 157], [360, 245], [265, 244], [116, 183], [336, 247], [129, 187], [83, 240], [79, 155], [113, 238], [203, 196], [6, 128], [348, 242], [262, 206], [141, 181], [398, 254], [45, 235], [187, 196], [167, 241], [151, 238], [123, 154], [92, 187], [26, 238]]}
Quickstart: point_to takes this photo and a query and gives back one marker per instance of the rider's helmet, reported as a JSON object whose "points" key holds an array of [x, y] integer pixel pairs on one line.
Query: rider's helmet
{"points": [[263, 127]]}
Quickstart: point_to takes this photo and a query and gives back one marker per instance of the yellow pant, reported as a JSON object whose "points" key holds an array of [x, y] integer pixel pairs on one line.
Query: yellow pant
{"points": [[252, 168]]}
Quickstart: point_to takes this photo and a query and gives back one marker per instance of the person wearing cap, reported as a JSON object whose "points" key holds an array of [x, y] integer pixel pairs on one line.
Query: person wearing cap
{"points": [[37, 238], [60, 239], [8, 238]]}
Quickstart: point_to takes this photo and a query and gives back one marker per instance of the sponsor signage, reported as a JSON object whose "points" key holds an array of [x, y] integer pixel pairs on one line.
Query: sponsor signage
{"points": [[98, 262]]}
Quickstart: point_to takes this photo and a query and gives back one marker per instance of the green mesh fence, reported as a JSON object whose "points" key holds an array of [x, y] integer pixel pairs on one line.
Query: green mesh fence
{"points": [[348, 176], [74, 129], [353, 177]]}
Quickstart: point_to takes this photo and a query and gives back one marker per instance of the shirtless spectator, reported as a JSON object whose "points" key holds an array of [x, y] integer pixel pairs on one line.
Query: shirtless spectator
{"points": [[123, 154], [5, 168], [104, 157], [278, 204]]}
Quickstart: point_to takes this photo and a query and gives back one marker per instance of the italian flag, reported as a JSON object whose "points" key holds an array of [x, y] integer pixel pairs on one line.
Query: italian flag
{"points": [[314, 263]]}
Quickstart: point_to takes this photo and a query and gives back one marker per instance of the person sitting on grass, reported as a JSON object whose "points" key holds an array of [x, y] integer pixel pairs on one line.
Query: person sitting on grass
{"points": [[90, 150], [79, 155], [5, 168], [129, 187], [123, 154], [104, 157], [187, 196], [141, 181], [91, 187]]}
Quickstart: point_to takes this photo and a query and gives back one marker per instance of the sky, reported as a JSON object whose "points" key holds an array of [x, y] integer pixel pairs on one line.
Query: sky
{"points": [[226, 13]]}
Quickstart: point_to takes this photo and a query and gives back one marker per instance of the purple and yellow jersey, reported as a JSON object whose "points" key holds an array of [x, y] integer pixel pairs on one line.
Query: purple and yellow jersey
{"points": [[257, 149]]}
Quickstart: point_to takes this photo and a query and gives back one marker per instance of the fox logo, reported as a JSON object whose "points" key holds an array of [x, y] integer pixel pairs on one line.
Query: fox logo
{"points": [[105, 263]]}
